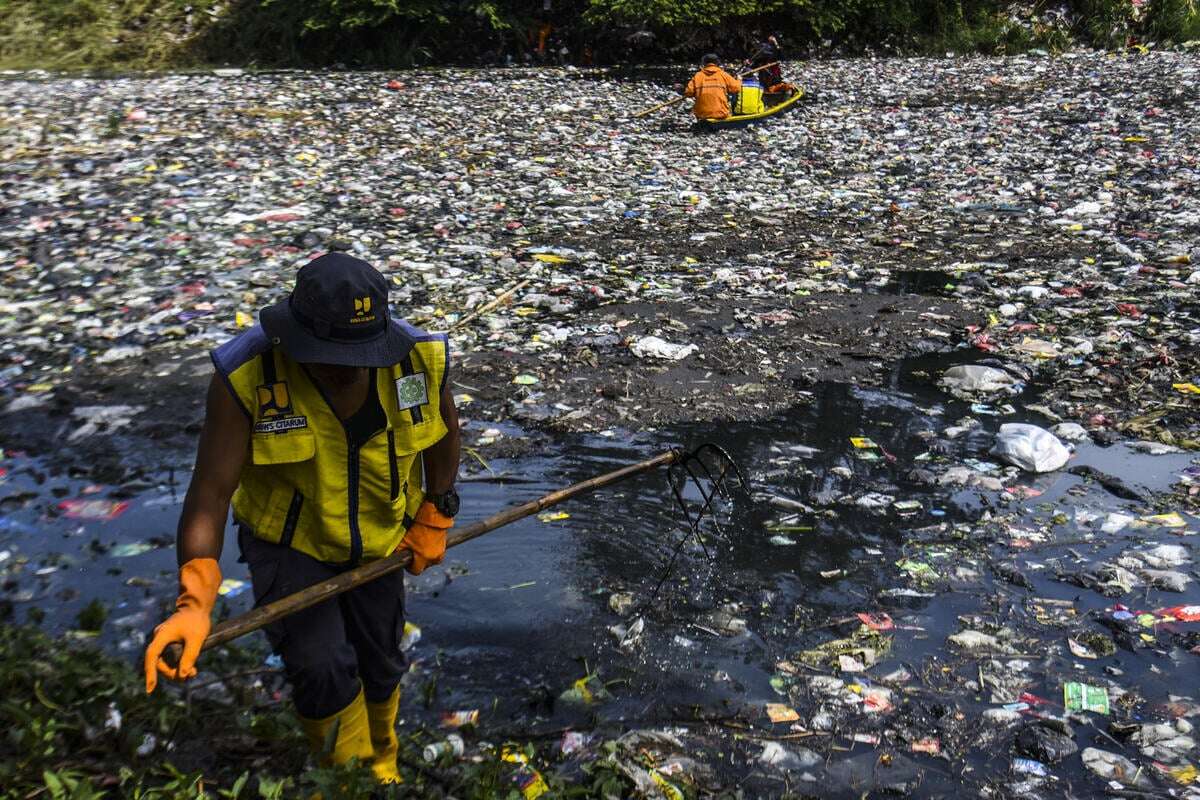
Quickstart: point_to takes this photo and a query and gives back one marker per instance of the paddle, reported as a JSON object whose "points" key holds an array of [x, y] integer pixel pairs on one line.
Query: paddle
{"points": [[681, 97]]}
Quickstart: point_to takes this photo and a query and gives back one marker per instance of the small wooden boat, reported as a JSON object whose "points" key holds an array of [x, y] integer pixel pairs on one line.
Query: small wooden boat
{"points": [[775, 104]]}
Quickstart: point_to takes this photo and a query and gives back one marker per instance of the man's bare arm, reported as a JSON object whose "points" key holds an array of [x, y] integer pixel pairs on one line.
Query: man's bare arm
{"points": [[224, 445], [441, 459]]}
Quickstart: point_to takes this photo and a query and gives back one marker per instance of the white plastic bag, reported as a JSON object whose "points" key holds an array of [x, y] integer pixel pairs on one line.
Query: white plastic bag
{"points": [[1029, 447], [970, 379], [654, 347], [1114, 767]]}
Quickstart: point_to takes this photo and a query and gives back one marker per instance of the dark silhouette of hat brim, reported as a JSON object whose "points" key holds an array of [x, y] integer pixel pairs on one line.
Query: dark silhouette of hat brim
{"points": [[285, 332]]}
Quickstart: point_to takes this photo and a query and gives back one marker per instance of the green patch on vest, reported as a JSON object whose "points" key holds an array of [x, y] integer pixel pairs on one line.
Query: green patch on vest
{"points": [[411, 391]]}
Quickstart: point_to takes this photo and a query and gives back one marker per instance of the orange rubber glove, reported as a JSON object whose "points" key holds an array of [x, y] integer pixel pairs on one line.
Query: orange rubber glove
{"points": [[426, 538], [199, 580]]}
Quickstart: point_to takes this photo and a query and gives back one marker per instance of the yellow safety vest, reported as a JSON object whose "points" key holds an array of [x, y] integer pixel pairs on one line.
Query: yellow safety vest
{"points": [[304, 485]]}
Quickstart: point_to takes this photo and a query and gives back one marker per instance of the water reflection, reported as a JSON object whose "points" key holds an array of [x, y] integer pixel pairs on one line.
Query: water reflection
{"points": [[842, 498]]}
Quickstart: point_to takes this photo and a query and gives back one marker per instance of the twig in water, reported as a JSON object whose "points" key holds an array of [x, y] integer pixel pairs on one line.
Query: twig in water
{"points": [[493, 303], [471, 451]]}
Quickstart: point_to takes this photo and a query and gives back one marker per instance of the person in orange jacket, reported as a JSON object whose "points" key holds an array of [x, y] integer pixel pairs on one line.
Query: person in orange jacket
{"points": [[331, 430], [711, 87]]}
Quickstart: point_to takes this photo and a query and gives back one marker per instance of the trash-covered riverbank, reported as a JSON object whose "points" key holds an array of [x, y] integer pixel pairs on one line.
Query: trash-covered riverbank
{"points": [[921, 595], [1040, 210]]}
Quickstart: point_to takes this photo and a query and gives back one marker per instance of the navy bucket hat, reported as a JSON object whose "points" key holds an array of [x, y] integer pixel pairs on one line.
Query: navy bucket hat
{"points": [[337, 314]]}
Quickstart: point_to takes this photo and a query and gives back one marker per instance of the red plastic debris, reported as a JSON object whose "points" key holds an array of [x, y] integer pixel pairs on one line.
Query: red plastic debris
{"points": [[1034, 700], [983, 342], [876, 622], [93, 509], [1180, 613]]}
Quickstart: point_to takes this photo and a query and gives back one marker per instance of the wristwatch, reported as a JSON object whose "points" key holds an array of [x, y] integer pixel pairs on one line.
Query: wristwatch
{"points": [[446, 503]]}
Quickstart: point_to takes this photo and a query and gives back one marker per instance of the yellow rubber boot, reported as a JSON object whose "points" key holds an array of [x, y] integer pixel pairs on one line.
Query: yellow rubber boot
{"points": [[381, 718], [342, 736]]}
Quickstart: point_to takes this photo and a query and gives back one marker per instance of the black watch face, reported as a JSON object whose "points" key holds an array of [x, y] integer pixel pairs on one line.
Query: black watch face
{"points": [[448, 503]]}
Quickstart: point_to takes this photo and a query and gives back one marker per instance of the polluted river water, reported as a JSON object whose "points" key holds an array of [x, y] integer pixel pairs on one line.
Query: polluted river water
{"points": [[889, 607]]}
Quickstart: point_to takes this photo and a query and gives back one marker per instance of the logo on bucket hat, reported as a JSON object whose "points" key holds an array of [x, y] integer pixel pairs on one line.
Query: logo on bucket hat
{"points": [[362, 311], [337, 314]]}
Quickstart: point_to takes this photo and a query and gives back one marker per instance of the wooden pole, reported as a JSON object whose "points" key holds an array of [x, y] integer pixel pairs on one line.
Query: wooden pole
{"points": [[488, 306], [681, 98], [756, 69], [318, 593]]}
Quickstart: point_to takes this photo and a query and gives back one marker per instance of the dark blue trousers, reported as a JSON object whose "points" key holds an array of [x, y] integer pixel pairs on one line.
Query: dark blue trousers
{"points": [[331, 649]]}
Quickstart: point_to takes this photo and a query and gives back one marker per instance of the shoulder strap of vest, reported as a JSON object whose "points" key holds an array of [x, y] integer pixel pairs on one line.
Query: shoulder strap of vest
{"points": [[419, 335], [270, 372], [406, 369], [240, 350], [235, 354]]}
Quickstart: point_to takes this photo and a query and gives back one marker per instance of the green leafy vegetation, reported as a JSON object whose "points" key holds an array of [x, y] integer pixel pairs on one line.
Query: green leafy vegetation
{"points": [[92, 616], [78, 725], [136, 34], [75, 34]]}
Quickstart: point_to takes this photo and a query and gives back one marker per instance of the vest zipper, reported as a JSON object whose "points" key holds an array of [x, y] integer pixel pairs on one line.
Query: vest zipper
{"points": [[356, 545], [352, 474], [393, 467]]}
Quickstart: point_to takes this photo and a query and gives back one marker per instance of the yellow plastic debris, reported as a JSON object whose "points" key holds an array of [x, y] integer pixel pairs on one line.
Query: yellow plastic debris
{"points": [[229, 585], [665, 787], [1184, 775], [780, 712], [1170, 520], [528, 779]]}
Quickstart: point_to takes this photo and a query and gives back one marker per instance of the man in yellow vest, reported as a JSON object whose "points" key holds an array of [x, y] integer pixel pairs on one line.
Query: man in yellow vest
{"points": [[331, 429]]}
